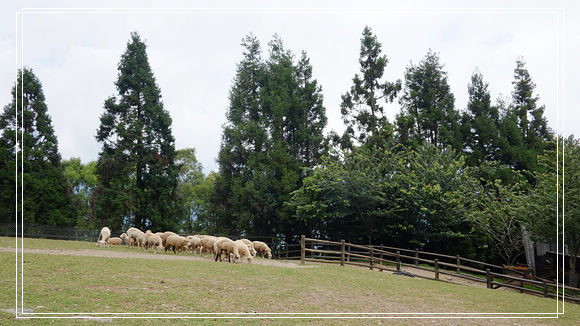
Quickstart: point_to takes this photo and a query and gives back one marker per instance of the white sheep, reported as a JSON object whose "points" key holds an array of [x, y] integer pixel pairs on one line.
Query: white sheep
{"points": [[177, 243], [194, 243], [126, 238], [224, 245], [250, 246], [103, 237], [262, 248], [136, 236], [165, 235], [207, 242], [153, 241], [242, 252], [115, 241]]}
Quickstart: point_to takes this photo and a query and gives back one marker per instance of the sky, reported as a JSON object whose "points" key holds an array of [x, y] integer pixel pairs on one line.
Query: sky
{"points": [[194, 47]]}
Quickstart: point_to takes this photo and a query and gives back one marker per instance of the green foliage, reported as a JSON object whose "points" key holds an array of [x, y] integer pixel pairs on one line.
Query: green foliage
{"points": [[46, 196], [498, 216], [480, 124], [558, 177], [274, 129], [136, 168], [400, 197], [361, 107], [428, 112], [83, 180], [194, 191]]}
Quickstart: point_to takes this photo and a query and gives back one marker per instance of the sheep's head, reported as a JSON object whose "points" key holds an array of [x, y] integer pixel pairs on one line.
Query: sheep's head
{"points": [[268, 253]]}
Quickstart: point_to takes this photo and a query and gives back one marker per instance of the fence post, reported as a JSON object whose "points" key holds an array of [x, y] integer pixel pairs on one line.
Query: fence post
{"points": [[372, 252], [436, 269], [348, 258], [398, 261], [416, 256], [341, 252], [458, 264], [381, 256], [302, 249], [545, 289], [488, 278]]}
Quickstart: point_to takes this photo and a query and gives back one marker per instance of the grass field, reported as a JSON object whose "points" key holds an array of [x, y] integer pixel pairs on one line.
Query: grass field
{"points": [[83, 284]]}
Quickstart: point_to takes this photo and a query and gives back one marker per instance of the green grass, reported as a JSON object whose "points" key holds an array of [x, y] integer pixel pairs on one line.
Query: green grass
{"points": [[114, 285]]}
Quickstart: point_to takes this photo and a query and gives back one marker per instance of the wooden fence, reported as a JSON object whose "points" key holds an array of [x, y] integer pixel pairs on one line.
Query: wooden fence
{"points": [[394, 259]]}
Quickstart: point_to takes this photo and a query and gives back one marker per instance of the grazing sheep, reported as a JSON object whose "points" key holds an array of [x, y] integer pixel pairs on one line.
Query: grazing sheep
{"points": [[125, 237], [207, 242], [242, 252], [136, 236], [164, 236], [153, 241], [115, 241], [250, 246], [226, 245], [103, 237], [262, 248], [194, 243], [177, 243]]}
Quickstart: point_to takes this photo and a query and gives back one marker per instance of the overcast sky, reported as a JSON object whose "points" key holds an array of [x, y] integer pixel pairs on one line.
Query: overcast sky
{"points": [[194, 52]]}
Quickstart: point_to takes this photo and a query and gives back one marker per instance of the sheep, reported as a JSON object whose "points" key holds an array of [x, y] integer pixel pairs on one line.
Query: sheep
{"points": [[136, 236], [153, 240], [194, 243], [250, 246], [242, 251], [164, 236], [103, 237], [177, 243], [262, 248], [115, 241], [224, 244], [125, 237], [207, 242]]}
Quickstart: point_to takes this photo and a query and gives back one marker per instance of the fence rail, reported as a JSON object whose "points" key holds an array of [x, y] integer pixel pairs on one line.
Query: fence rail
{"points": [[390, 258]]}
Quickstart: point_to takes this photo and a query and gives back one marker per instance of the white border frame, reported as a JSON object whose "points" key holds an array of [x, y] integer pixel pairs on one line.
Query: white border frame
{"points": [[410, 315]]}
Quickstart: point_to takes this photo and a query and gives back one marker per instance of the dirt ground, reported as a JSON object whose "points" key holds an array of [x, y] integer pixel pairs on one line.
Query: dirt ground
{"points": [[142, 255]]}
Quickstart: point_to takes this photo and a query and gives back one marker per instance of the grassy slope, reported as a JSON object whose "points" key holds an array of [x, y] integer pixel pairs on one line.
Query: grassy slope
{"points": [[93, 284]]}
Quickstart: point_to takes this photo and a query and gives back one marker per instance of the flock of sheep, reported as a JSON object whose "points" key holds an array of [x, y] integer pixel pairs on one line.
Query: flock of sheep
{"points": [[236, 251]]}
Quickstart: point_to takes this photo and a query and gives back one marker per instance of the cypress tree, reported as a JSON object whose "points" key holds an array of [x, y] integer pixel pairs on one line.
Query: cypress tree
{"points": [[47, 197], [428, 112], [273, 130], [361, 108], [136, 168], [480, 122]]}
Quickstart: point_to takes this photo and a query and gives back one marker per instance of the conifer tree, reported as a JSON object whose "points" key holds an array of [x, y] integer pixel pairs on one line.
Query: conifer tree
{"points": [[361, 108], [428, 112], [47, 197], [136, 168], [480, 123]]}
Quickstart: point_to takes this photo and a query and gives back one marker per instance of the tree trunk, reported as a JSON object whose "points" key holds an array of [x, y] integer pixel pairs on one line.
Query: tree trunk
{"points": [[573, 276]]}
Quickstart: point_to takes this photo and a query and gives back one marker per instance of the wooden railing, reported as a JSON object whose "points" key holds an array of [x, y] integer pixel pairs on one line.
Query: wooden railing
{"points": [[391, 259]]}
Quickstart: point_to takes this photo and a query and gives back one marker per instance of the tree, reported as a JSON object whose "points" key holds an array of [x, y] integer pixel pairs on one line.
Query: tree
{"points": [[274, 130], [480, 122], [46, 194], [406, 198], [361, 107], [83, 179], [428, 112], [192, 189], [556, 181], [498, 216], [136, 168], [523, 128]]}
